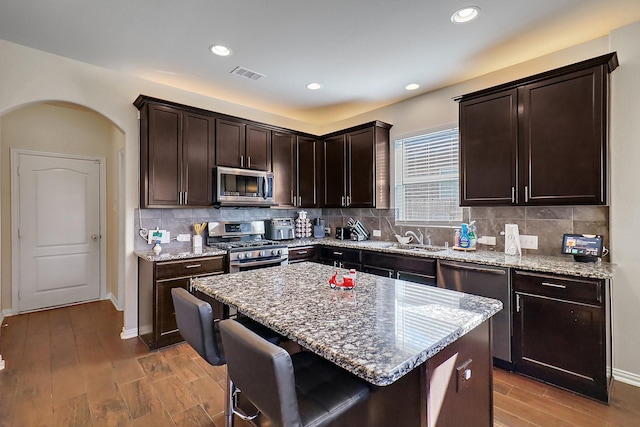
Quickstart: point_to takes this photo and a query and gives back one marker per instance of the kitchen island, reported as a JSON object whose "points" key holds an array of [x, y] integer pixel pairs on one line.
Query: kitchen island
{"points": [[425, 350]]}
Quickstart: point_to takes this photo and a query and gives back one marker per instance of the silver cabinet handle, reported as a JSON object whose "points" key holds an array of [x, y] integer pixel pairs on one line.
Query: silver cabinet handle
{"points": [[526, 194], [302, 252], [241, 161], [517, 303], [337, 253], [342, 201], [248, 161], [293, 198], [185, 198], [513, 194], [299, 200], [554, 285], [193, 266], [348, 200]]}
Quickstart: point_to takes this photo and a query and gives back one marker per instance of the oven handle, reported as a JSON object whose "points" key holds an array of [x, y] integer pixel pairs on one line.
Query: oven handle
{"points": [[252, 263]]}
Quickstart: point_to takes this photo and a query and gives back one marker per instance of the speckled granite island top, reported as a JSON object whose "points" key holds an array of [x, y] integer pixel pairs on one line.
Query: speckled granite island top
{"points": [[379, 331]]}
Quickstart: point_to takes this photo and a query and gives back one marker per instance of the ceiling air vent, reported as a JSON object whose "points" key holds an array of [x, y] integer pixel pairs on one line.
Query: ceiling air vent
{"points": [[244, 72]]}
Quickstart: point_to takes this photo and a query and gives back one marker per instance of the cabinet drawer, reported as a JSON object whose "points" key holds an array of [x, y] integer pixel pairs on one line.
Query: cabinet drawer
{"points": [[340, 254], [424, 266], [191, 267], [302, 253], [578, 289]]}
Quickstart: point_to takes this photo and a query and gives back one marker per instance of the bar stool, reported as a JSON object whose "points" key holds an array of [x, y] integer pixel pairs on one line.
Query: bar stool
{"points": [[200, 330], [299, 390]]}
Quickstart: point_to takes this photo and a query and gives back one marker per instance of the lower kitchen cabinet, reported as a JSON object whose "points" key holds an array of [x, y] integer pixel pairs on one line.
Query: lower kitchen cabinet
{"points": [[340, 257], [302, 253], [411, 269], [156, 316], [562, 331]]}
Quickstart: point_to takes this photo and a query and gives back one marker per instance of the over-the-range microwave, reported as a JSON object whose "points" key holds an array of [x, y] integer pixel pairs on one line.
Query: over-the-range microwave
{"points": [[242, 187]]}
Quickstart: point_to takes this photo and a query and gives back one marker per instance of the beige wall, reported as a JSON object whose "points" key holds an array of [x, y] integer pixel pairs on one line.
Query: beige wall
{"points": [[67, 129]]}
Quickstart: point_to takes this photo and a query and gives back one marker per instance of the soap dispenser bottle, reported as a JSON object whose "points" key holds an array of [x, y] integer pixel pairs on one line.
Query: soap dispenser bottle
{"points": [[464, 237]]}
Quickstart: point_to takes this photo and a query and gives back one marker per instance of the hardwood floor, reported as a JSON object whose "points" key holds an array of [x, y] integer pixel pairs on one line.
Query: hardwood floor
{"points": [[68, 367]]}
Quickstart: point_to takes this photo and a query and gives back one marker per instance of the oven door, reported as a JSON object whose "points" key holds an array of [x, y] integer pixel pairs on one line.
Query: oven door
{"points": [[246, 265]]}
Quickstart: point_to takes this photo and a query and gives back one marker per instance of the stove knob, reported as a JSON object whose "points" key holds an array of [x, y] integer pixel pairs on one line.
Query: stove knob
{"points": [[276, 252], [261, 253], [249, 255], [240, 256]]}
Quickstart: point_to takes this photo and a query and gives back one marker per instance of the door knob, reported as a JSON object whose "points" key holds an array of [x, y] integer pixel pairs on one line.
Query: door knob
{"points": [[94, 237]]}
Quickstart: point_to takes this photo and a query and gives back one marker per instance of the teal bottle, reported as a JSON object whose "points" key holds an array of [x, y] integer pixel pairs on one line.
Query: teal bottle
{"points": [[465, 242]]}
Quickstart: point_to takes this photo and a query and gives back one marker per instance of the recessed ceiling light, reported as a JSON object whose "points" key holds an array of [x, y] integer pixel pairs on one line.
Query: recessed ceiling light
{"points": [[465, 14], [412, 86], [220, 50], [314, 86]]}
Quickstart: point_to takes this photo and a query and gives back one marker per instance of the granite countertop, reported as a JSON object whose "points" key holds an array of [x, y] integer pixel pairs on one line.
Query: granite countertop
{"points": [[548, 264], [178, 254], [379, 331]]}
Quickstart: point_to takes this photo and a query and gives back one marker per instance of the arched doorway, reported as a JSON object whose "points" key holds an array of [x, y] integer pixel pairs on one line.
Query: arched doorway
{"points": [[67, 129]]}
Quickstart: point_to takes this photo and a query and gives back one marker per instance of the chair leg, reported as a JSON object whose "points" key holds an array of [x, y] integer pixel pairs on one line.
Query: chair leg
{"points": [[230, 403]]}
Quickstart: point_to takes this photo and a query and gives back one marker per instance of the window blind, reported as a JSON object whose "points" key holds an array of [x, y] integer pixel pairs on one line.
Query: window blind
{"points": [[427, 178]]}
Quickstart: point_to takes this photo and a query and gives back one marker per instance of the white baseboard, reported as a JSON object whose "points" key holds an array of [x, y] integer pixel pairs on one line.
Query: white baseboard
{"points": [[7, 312], [128, 333], [114, 301], [626, 377]]}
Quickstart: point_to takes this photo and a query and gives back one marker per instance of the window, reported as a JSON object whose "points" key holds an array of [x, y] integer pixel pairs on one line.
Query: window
{"points": [[427, 178]]}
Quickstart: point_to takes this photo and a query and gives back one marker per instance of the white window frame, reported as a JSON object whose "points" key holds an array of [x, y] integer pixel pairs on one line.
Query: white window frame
{"points": [[454, 221]]}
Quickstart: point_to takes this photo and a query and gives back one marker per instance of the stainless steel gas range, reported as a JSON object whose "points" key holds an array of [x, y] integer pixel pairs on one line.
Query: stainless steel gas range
{"points": [[245, 244]]}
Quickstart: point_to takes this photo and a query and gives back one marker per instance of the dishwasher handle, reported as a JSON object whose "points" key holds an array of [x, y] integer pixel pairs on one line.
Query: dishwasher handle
{"points": [[456, 266]]}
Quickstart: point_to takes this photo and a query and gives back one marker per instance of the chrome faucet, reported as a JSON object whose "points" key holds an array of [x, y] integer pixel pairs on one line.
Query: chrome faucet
{"points": [[420, 238]]}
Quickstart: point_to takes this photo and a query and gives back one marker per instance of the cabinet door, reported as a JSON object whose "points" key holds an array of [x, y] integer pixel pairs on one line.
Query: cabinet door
{"points": [[334, 172], [560, 342], [306, 173], [230, 138], [197, 152], [488, 150], [563, 133], [165, 156], [258, 148], [283, 152], [165, 313], [361, 169]]}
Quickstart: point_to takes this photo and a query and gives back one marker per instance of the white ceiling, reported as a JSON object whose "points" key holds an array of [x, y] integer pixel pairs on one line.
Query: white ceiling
{"points": [[363, 51]]}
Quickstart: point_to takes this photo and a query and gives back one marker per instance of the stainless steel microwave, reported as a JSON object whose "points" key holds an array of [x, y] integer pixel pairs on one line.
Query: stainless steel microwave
{"points": [[242, 187]]}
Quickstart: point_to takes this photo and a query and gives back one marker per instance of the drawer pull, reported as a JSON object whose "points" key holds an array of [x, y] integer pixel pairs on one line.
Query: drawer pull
{"points": [[337, 253], [554, 285], [302, 252], [193, 266]]}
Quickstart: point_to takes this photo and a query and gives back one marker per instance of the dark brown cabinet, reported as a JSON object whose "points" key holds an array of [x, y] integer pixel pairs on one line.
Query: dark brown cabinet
{"points": [[340, 257], [176, 156], [156, 316], [562, 331], [538, 141], [411, 269], [301, 254], [355, 167], [241, 145], [294, 167]]}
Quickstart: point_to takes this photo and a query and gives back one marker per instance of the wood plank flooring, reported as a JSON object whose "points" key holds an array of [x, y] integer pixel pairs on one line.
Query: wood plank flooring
{"points": [[68, 367]]}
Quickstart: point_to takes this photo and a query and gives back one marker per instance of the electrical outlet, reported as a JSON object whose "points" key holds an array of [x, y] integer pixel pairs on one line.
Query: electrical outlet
{"points": [[327, 230], [528, 242], [377, 233], [183, 237]]}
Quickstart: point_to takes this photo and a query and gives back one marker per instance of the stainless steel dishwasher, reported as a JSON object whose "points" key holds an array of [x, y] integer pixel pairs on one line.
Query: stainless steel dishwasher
{"points": [[485, 281]]}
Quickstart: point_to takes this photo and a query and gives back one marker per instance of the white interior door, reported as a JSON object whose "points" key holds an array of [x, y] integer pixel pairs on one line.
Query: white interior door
{"points": [[58, 231]]}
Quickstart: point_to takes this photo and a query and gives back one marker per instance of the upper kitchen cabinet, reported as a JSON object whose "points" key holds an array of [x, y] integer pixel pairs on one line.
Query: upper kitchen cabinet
{"points": [[541, 140], [294, 167], [241, 145], [176, 155], [356, 167]]}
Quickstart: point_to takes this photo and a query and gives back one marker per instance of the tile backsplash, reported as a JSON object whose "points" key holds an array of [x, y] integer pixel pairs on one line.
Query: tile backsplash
{"points": [[548, 223]]}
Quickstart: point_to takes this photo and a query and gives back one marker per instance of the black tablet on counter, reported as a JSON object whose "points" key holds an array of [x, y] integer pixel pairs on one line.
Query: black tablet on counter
{"points": [[583, 247]]}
